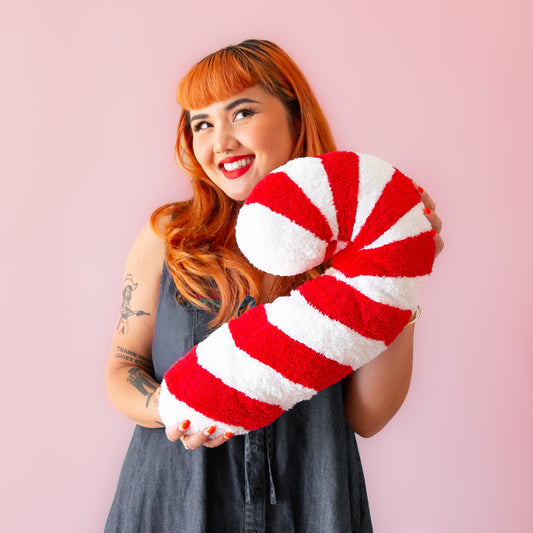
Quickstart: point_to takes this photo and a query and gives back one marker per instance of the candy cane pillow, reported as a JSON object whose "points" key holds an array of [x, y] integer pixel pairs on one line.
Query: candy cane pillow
{"points": [[356, 209]]}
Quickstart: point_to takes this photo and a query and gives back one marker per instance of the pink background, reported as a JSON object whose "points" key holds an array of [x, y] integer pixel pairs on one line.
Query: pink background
{"points": [[440, 88]]}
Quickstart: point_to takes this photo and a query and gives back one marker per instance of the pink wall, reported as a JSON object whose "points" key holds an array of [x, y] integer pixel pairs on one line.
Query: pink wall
{"points": [[441, 88]]}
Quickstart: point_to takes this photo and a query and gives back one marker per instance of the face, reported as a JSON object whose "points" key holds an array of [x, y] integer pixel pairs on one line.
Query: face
{"points": [[240, 140]]}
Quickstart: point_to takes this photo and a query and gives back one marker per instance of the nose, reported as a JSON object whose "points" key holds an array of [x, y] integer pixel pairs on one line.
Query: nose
{"points": [[224, 140]]}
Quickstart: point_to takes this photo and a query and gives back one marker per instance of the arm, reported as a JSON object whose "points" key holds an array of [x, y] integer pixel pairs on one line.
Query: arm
{"points": [[130, 382], [374, 393]]}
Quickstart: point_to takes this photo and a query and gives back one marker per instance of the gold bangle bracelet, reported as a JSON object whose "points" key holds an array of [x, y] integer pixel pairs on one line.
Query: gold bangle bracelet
{"points": [[418, 312]]}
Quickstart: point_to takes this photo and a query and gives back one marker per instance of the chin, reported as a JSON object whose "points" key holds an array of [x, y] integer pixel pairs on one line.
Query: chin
{"points": [[241, 194], [239, 197]]}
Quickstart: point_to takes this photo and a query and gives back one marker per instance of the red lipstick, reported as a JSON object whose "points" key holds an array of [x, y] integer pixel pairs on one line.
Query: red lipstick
{"points": [[238, 172]]}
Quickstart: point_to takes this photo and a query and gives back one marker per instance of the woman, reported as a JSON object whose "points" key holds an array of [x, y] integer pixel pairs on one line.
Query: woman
{"points": [[247, 109]]}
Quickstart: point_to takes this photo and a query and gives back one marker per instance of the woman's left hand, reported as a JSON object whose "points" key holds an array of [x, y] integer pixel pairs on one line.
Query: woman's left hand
{"points": [[195, 440], [436, 222]]}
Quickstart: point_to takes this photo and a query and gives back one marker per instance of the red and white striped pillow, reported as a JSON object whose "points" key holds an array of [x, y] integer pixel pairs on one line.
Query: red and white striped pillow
{"points": [[356, 209]]}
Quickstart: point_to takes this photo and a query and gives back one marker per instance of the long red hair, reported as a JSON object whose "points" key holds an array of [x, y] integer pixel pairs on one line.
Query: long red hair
{"points": [[202, 253]]}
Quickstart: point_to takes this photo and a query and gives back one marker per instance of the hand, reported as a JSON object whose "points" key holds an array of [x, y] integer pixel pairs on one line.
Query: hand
{"points": [[436, 222], [191, 442], [201, 438]]}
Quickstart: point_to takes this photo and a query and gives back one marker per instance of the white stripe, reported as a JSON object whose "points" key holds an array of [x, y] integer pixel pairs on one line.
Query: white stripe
{"points": [[275, 244], [401, 292], [340, 246], [296, 318], [311, 176], [173, 411], [374, 174], [234, 367], [413, 223]]}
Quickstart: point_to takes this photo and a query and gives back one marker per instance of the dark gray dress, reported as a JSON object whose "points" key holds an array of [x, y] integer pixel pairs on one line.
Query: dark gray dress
{"points": [[300, 474]]}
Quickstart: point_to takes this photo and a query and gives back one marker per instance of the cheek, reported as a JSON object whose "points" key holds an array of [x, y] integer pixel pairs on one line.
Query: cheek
{"points": [[200, 151], [277, 143], [284, 139], [196, 149], [205, 165]]}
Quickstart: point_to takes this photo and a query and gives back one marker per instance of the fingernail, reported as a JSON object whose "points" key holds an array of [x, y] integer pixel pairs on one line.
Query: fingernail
{"points": [[185, 425], [228, 435], [420, 190], [210, 430], [433, 233], [427, 210]]}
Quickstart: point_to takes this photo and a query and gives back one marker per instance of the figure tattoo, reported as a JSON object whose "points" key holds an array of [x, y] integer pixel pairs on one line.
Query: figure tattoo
{"points": [[125, 309], [142, 382]]}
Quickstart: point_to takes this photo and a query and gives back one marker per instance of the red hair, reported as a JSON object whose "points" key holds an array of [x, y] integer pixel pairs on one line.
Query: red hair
{"points": [[202, 254]]}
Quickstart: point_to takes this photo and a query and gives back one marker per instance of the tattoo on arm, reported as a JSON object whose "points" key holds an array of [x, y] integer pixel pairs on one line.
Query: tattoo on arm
{"points": [[142, 382], [135, 358], [126, 311]]}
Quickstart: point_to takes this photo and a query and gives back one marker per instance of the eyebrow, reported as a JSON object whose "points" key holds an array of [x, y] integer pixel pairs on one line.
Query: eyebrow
{"points": [[229, 107], [238, 102]]}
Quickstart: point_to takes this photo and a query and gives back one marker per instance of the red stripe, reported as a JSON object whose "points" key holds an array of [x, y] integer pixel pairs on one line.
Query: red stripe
{"points": [[281, 195], [201, 390], [343, 172], [397, 198], [343, 303], [253, 334], [410, 257]]}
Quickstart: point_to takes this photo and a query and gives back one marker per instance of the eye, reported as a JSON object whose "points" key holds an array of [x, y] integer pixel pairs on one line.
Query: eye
{"points": [[243, 113], [200, 125]]}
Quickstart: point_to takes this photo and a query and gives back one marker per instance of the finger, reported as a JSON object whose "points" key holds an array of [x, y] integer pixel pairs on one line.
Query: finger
{"points": [[425, 197], [177, 431], [436, 225], [439, 245], [428, 201], [198, 439], [221, 439], [436, 222]]}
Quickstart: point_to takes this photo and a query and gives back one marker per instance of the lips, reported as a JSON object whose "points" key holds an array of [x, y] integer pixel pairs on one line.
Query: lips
{"points": [[235, 166]]}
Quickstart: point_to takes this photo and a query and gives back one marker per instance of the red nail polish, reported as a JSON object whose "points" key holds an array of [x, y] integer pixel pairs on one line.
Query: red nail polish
{"points": [[427, 210], [433, 233], [185, 425], [420, 190], [228, 434], [210, 430]]}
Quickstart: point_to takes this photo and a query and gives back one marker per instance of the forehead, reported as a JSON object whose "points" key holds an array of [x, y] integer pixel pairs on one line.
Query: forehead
{"points": [[255, 94]]}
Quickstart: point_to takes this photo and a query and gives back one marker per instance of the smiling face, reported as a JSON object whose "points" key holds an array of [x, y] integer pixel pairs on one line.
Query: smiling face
{"points": [[240, 140]]}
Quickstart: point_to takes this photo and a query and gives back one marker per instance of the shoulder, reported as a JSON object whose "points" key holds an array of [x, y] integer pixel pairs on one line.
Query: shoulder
{"points": [[160, 224], [148, 244], [147, 254]]}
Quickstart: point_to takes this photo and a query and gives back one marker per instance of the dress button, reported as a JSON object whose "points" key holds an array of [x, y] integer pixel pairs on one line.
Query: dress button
{"points": [[254, 448]]}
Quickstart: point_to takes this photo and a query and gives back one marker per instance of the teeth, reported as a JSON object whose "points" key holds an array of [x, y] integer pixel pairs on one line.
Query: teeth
{"points": [[238, 164]]}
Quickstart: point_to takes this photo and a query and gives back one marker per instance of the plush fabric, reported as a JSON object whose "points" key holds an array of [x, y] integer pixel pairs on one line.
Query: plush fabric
{"points": [[365, 215]]}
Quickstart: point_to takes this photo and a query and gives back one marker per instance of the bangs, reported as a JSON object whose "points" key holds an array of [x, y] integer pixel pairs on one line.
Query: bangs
{"points": [[216, 78]]}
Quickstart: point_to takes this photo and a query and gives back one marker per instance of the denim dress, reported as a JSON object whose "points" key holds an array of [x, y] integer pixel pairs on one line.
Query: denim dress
{"points": [[302, 473]]}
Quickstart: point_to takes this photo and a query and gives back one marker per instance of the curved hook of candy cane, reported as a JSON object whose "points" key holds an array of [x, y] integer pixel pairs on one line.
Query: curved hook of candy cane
{"points": [[358, 210]]}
